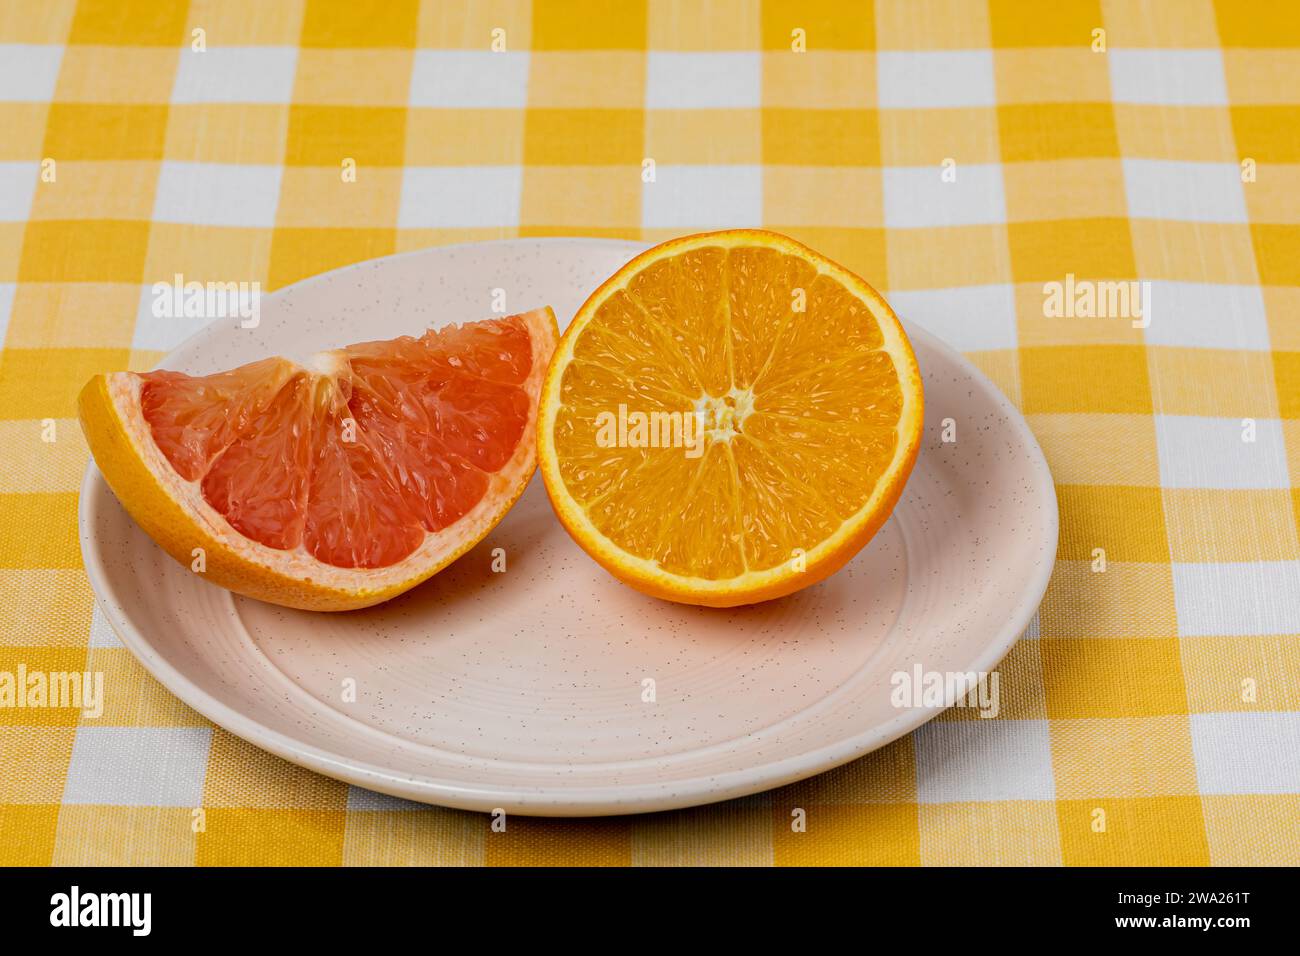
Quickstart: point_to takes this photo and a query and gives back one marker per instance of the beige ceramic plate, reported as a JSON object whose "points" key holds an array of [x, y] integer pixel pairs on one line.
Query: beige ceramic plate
{"points": [[528, 690]]}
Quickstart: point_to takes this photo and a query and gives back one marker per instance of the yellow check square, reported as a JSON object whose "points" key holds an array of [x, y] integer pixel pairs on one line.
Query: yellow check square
{"points": [[820, 80], [1272, 26], [607, 198], [331, 135], [821, 137], [1286, 375], [1029, 23], [1055, 75], [931, 24], [842, 196], [935, 258], [822, 25], [1230, 525], [578, 25], [1102, 524], [207, 253], [1277, 252], [311, 196], [116, 74], [248, 133], [27, 833], [128, 23], [95, 835], [563, 80], [1112, 678], [1085, 378], [297, 253], [529, 841], [92, 251], [1057, 131], [583, 137], [1126, 599], [704, 136], [248, 22], [40, 384], [882, 834], [360, 23], [1267, 134], [24, 126], [1186, 25], [42, 23], [1093, 249], [690, 26], [470, 25], [1133, 831], [236, 836], [353, 77], [1122, 756], [73, 315], [103, 131], [927, 137], [98, 189], [1189, 133], [436, 137], [1197, 251]]}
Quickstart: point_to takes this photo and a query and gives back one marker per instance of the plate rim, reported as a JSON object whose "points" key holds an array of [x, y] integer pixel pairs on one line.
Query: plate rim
{"points": [[558, 800]]}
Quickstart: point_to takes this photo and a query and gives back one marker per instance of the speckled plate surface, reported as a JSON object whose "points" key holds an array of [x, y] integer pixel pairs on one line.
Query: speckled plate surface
{"points": [[527, 689]]}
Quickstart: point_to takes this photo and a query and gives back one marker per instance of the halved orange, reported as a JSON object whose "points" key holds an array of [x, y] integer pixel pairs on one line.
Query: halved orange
{"points": [[332, 487], [729, 418]]}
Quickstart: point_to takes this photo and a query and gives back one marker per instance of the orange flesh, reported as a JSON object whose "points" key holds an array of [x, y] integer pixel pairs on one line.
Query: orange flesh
{"points": [[803, 403], [356, 466]]}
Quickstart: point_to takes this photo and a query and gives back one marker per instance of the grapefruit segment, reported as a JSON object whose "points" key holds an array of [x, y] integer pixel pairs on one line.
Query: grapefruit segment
{"points": [[333, 487]]}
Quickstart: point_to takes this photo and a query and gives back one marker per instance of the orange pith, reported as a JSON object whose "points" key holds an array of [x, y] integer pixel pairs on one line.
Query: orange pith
{"points": [[359, 476], [808, 397]]}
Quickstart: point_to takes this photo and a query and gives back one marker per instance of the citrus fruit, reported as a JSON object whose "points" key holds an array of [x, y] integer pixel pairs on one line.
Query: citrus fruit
{"points": [[729, 418], [336, 486]]}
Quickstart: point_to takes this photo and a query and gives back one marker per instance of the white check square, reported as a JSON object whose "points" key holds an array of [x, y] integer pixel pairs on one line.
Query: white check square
{"points": [[101, 632], [1200, 452], [17, 187], [1247, 752], [1207, 315], [941, 78], [138, 766], [7, 291], [236, 74], [1237, 599], [217, 194], [450, 197], [969, 318], [1184, 191], [361, 799], [685, 81], [162, 333], [703, 197], [29, 72], [469, 79], [983, 760], [1168, 77], [920, 197]]}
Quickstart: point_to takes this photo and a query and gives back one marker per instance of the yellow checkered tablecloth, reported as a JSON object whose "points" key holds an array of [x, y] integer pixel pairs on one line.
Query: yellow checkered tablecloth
{"points": [[958, 154]]}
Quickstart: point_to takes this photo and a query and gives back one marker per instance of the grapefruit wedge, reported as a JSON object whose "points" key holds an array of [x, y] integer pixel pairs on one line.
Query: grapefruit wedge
{"points": [[332, 487]]}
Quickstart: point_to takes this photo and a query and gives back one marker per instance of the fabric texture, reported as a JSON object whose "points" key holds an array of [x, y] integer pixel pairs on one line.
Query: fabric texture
{"points": [[962, 156]]}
